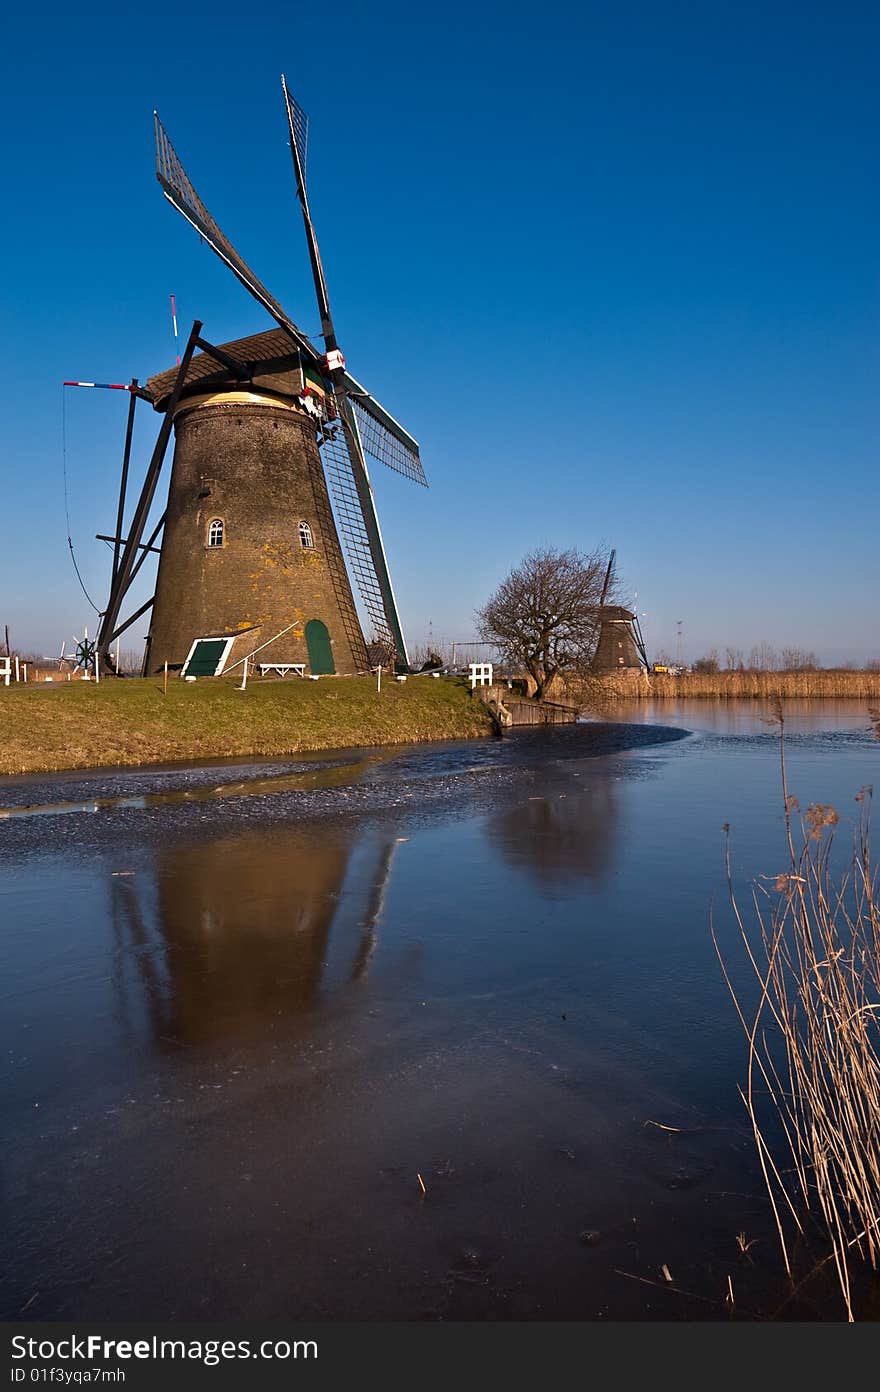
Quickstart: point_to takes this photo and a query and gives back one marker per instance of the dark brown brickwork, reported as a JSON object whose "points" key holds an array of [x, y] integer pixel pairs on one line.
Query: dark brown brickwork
{"points": [[255, 465], [617, 649]]}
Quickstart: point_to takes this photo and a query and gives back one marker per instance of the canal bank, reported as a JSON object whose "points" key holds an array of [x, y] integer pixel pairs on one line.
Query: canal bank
{"points": [[135, 721]]}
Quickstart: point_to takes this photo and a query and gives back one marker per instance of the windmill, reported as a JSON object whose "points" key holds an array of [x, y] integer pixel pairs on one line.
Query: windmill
{"points": [[266, 429], [83, 655], [620, 644]]}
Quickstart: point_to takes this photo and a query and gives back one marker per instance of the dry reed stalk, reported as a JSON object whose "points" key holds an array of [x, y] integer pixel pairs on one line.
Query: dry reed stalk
{"points": [[814, 1035], [744, 685]]}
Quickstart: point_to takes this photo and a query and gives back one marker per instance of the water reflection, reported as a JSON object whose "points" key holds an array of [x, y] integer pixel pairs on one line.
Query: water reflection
{"points": [[753, 717], [233, 934], [563, 837]]}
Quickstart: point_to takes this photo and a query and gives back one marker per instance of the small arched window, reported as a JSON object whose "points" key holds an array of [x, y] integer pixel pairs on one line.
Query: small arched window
{"points": [[306, 540], [216, 532]]}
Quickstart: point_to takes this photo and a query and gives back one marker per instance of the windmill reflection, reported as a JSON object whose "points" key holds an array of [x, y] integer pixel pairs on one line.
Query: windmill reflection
{"points": [[369, 935], [562, 836], [233, 935]]}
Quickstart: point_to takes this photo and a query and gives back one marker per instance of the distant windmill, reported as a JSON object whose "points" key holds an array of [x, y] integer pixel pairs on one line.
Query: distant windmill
{"points": [[263, 427], [620, 644]]}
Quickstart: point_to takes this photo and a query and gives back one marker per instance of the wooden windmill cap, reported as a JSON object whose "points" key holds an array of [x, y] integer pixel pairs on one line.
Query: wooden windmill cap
{"points": [[268, 359]]}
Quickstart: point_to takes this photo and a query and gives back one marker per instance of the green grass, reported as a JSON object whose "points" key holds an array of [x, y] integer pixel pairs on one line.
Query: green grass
{"points": [[130, 721]]}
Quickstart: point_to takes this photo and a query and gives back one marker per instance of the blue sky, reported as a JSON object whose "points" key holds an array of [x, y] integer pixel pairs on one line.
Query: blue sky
{"points": [[615, 266]]}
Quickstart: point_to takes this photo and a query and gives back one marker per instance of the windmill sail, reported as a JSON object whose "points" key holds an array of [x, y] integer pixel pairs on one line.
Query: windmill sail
{"points": [[179, 190], [609, 576], [299, 126], [364, 425], [343, 475], [383, 438], [640, 642]]}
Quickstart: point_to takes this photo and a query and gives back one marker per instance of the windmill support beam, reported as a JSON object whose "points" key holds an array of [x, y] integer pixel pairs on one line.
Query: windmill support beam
{"points": [[242, 373], [147, 547], [128, 562], [99, 536], [134, 618], [123, 484]]}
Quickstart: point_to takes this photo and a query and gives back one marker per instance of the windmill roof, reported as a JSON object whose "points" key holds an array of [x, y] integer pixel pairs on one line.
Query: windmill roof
{"points": [[271, 347], [616, 611]]}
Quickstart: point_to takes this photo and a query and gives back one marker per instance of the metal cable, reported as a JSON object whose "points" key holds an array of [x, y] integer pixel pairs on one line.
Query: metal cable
{"points": [[98, 611]]}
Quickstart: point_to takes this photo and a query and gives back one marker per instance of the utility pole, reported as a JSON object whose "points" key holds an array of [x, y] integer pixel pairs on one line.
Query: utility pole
{"points": [[678, 624]]}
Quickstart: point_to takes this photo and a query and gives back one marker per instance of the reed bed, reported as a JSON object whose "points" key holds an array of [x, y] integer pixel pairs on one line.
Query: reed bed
{"points": [[813, 1070], [758, 685]]}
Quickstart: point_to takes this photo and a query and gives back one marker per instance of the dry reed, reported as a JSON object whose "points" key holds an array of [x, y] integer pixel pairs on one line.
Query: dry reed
{"points": [[759, 685], [814, 1036]]}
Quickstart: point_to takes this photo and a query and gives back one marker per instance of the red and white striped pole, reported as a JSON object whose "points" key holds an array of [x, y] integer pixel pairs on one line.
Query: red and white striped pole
{"points": [[108, 386]]}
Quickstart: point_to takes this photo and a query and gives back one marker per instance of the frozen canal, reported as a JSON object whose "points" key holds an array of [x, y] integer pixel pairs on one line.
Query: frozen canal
{"points": [[384, 1034]]}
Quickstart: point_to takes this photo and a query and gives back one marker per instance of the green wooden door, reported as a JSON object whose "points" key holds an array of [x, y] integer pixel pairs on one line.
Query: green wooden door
{"points": [[320, 652]]}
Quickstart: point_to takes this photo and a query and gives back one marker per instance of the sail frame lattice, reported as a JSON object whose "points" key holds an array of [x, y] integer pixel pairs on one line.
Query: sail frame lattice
{"points": [[333, 557], [299, 122], [180, 191], [383, 446], [350, 523]]}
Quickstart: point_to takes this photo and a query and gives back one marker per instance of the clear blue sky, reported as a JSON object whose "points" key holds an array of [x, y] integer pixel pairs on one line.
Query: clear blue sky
{"points": [[616, 266]]}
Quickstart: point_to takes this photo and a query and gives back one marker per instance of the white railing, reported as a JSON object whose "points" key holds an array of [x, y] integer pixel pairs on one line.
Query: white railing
{"points": [[481, 674]]}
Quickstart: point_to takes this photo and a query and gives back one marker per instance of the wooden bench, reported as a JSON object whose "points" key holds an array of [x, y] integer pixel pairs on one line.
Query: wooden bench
{"points": [[282, 668]]}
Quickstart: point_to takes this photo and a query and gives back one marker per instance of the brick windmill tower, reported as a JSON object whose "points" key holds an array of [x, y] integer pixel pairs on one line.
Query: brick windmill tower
{"points": [[250, 546], [254, 555]]}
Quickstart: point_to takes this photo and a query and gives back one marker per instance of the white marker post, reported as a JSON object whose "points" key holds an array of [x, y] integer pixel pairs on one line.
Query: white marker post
{"points": [[243, 686], [379, 677]]}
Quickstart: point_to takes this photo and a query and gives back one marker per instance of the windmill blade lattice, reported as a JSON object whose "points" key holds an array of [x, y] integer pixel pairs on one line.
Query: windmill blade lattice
{"points": [[300, 124], [178, 189], [379, 442], [339, 468]]}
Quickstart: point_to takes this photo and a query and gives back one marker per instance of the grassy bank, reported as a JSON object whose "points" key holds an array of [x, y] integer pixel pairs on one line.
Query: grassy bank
{"points": [[84, 725], [737, 686]]}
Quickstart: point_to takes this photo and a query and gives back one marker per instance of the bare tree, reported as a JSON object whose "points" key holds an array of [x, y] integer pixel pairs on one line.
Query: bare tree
{"points": [[763, 658], [796, 660], [545, 615], [734, 659], [426, 655], [708, 664], [131, 662]]}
